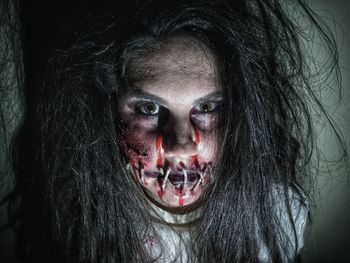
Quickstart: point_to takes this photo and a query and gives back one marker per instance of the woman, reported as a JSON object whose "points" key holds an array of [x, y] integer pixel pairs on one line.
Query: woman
{"points": [[178, 132]]}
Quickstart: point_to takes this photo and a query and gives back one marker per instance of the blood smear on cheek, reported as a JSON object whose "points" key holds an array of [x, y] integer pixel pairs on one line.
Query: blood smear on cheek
{"points": [[136, 146]]}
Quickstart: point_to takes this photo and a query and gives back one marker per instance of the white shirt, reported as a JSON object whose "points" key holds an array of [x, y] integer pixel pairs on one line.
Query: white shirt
{"points": [[172, 230]]}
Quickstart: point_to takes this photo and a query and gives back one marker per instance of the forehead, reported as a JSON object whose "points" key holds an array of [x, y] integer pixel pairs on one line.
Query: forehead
{"points": [[175, 62]]}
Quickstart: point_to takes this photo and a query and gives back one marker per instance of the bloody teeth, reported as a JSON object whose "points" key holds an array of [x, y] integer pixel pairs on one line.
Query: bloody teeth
{"points": [[142, 175], [165, 178], [142, 172], [200, 175], [195, 187], [163, 185], [185, 177]]}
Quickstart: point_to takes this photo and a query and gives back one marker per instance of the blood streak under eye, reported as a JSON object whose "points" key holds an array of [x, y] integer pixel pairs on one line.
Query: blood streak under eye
{"points": [[158, 151], [196, 136]]}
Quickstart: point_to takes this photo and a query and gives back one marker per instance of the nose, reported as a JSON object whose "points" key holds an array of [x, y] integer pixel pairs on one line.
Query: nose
{"points": [[178, 140]]}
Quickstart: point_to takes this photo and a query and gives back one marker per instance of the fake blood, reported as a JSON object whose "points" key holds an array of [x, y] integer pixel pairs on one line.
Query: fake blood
{"points": [[195, 160], [158, 151], [131, 162], [161, 194], [196, 136], [180, 193], [181, 200]]}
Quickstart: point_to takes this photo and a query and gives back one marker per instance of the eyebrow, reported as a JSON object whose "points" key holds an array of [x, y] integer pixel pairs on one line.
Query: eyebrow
{"points": [[216, 95], [136, 92]]}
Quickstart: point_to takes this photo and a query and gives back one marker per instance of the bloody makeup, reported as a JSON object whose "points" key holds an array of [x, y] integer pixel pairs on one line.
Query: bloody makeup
{"points": [[169, 120]]}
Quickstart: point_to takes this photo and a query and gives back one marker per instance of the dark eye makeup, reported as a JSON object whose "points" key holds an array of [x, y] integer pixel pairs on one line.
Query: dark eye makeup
{"points": [[152, 114]]}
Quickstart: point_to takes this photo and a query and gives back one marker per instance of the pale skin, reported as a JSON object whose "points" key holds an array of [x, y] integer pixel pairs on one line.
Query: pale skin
{"points": [[169, 120]]}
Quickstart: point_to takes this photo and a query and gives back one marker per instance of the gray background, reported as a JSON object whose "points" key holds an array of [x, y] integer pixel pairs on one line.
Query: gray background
{"points": [[328, 237]]}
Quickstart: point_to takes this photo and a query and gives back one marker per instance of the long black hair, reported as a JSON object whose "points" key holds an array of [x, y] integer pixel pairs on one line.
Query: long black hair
{"points": [[73, 201]]}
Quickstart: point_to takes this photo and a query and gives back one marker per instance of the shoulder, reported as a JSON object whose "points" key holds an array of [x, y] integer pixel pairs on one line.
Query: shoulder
{"points": [[293, 216], [291, 211]]}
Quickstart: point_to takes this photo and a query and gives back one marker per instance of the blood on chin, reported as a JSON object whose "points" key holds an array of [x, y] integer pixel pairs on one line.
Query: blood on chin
{"points": [[173, 187]]}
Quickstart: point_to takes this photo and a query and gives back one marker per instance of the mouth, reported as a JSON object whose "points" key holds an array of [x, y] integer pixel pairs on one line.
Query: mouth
{"points": [[177, 187], [179, 179]]}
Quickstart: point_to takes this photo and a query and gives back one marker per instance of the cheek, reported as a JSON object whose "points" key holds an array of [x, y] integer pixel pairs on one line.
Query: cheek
{"points": [[207, 128], [209, 146], [205, 122], [138, 146]]}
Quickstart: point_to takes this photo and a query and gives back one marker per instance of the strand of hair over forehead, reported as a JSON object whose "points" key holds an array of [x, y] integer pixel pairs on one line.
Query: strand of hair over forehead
{"points": [[80, 205]]}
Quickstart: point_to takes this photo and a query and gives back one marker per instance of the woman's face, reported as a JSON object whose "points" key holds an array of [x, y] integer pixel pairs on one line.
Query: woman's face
{"points": [[169, 121]]}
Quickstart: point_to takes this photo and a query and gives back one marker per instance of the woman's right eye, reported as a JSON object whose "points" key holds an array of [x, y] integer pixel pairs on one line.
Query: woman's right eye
{"points": [[148, 108]]}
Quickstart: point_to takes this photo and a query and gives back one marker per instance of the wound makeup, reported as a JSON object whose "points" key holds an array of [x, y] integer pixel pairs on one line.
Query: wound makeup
{"points": [[177, 184]]}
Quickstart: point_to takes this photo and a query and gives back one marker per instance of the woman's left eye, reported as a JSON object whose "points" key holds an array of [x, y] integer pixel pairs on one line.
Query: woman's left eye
{"points": [[206, 107], [148, 108]]}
